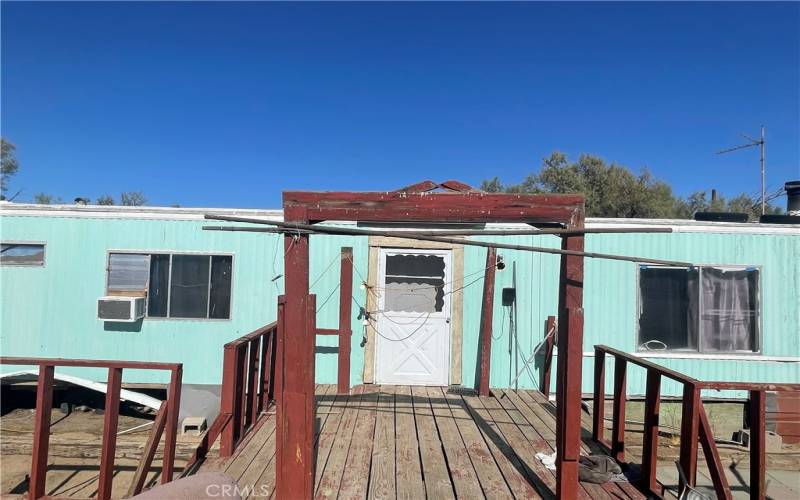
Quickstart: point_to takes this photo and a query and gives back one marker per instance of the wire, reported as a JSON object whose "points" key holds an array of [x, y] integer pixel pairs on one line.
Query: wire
{"points": [[375, 328], [328, 268], [328, 298], [502, 326]]}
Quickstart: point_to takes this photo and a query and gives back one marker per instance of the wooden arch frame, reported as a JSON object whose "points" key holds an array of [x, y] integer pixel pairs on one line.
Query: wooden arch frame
{"points": [[296, 405]]}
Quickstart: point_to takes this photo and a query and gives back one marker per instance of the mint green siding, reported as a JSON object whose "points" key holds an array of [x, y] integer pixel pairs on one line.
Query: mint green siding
{"points": [[51, 311]]}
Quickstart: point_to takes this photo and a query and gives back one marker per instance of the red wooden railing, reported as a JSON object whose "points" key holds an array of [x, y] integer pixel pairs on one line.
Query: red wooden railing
{"points": [[695, 428], [166, 420]]}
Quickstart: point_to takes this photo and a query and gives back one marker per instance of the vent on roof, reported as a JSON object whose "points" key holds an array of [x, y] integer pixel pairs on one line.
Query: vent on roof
{"points": [[721, 216]]}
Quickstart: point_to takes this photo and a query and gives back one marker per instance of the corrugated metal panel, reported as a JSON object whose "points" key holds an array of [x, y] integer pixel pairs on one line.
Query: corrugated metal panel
{"points": [[50, 311]]}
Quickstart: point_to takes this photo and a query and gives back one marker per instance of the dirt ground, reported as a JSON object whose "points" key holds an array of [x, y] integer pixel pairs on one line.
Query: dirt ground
{"points": [[75, 445]]}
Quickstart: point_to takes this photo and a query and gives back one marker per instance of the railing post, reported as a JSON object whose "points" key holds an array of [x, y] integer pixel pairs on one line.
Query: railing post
{"points": [[618, 422], [689, 432], [252, 381], [109, 433], [345, 319], [599, 403], [241, 390], [227, 399], [757, 444], [41, 432], [650, 438], [715, 468], [264, 369], [487, 307], [549, 344], [171, 426]]}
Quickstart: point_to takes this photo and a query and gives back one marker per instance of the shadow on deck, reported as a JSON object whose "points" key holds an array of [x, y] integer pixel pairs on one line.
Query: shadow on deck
{"points": [[417, 442]]}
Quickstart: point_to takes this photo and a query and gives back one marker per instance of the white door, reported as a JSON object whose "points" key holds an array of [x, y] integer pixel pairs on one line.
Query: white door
{"points": [[412, 341]]}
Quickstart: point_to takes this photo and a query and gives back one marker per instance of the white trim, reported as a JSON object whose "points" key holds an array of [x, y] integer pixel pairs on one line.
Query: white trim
{"points": [[713, 357], [170, 213]]}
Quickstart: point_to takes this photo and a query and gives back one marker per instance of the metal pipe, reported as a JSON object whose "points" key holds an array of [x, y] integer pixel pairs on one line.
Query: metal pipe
{"points": [[292, 227], [476, 232]]}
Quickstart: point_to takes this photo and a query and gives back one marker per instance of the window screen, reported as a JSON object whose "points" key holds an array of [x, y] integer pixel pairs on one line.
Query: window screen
{"points": [[414, 283], [158, 293], [701, 309], [22, 254], [220, 297]]}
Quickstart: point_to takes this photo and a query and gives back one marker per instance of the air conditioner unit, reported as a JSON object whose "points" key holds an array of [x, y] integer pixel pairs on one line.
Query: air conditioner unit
{"points": [[122, 309]]}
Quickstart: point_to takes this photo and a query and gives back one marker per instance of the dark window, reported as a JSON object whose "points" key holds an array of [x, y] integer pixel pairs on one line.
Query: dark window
{"points": [[702, 309], [177, 285], [22, 254]]}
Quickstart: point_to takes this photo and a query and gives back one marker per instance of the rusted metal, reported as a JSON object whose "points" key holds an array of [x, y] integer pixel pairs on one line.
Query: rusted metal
{"points": [[41, 431], [650, 437], [599, 400], [309, 228], [618, 412], [716, 471], [487, 308], [150, 448], [110, 419], [549, 344], [758, 457], [345, 319]]}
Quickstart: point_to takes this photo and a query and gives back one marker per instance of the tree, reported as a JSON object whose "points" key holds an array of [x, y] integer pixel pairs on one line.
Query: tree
{"points": [[8, 165], [612, 190], [105, 199], [46, 199], [133, 199]]}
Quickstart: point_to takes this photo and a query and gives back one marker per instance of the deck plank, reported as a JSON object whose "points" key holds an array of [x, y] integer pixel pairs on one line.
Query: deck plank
{"points": [[332, 414], [382, 476], [515, 472], [356, 476], [434, 467], [408, 464], [331, 478], [489, 476], [462, 472]]}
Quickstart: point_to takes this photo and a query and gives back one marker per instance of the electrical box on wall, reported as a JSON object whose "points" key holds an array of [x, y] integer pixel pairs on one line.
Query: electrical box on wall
{"points": [[509, 296]]}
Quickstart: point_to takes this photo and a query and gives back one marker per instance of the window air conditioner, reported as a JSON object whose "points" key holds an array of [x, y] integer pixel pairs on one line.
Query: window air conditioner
{"points": [[122, 309]]}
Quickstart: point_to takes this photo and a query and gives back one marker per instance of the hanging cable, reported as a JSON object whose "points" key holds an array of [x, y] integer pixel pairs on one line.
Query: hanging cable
{"points": [[328, 268]]}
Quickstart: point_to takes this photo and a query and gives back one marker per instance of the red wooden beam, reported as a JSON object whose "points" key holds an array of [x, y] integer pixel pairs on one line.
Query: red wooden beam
{"points": [[487, 310], [549, 343], [715, 468], [345, 319], [295, 420], [252, 381], [690, 422], [758, 457], [110, 420], [570, 360], [599, 402], [618, 418], [171, 426], [227, 400], [650, 437], [143, 467], [460, 207], [41, 431]]}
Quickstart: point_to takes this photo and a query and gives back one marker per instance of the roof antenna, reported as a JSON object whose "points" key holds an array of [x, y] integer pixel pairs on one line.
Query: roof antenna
{"points": [[753, 142]]}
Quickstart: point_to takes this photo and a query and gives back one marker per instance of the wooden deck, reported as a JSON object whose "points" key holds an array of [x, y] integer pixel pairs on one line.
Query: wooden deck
{"points": [[418, 442]]}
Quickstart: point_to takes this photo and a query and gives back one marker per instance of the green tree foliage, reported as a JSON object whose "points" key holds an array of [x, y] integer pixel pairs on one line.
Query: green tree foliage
{"points": [[8, 165], [133, 199], [105, 199], [46, 199], [613, 190]]}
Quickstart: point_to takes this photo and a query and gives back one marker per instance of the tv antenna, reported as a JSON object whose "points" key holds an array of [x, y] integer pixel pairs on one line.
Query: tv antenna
{"points": [[752, 143]]}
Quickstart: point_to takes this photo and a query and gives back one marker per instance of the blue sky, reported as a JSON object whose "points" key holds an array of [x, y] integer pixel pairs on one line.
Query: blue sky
{"points": [[210, 104]]}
